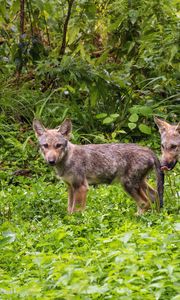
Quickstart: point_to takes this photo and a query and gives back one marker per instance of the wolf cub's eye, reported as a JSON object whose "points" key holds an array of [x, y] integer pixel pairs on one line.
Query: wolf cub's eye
{"points": [[173, 147], [45, 146], [58, 146]]}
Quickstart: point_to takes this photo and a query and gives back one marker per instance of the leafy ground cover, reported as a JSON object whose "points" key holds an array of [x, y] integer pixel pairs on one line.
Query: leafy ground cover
{"points": [[117, 69], [106, 252]]}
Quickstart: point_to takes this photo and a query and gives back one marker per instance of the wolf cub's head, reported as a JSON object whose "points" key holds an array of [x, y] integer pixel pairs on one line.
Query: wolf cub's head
{"points": [[53, 142], [170, 143]]}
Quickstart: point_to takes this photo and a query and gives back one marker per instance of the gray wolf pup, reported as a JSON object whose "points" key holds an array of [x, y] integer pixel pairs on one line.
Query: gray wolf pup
{"points": [[80, 165], [170, 143]]}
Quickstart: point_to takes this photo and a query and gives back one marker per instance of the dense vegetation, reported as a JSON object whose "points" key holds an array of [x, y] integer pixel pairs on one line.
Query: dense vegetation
{"points": [[110, 66], [104, 253]]}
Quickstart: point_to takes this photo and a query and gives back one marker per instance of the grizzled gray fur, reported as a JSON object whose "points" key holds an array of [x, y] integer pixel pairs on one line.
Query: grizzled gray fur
{"points": [[80, 165]]}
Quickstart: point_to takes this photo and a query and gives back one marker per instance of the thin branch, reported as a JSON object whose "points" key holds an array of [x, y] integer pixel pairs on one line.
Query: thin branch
{"points": [[22, 14], [63, 45], [29, 8]]}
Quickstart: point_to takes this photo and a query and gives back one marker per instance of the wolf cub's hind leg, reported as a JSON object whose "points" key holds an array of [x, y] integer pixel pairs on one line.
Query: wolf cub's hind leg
{"points": [[149, 191], [136, 191]]}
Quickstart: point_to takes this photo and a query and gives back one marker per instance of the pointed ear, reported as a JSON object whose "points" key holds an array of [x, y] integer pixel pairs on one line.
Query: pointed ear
{"points": [[38, 128], [65, 128], [162, 125]]}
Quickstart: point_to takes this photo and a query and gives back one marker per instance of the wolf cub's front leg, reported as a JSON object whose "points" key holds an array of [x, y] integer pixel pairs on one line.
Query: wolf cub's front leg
{"points": [[77, 196]]}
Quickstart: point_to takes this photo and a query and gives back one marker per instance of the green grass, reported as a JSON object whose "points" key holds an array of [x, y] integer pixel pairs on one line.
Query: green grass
{"points": [[106, 252]]}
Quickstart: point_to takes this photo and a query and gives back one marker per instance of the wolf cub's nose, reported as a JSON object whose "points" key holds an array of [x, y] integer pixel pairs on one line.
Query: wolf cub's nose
{"points": [[51, 162]]}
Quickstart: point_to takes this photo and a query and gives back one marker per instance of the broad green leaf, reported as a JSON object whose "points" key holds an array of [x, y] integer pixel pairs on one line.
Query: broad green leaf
{"points": [[141, 110], [101, 116], [114, 116], [113, 135], [120, 131], [133, 14], [133, 118], [108, 120], [145, 129], [132, 125]]}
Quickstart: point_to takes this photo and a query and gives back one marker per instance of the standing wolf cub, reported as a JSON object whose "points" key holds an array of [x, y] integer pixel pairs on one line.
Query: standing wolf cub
{"points": [[80, 165]]}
